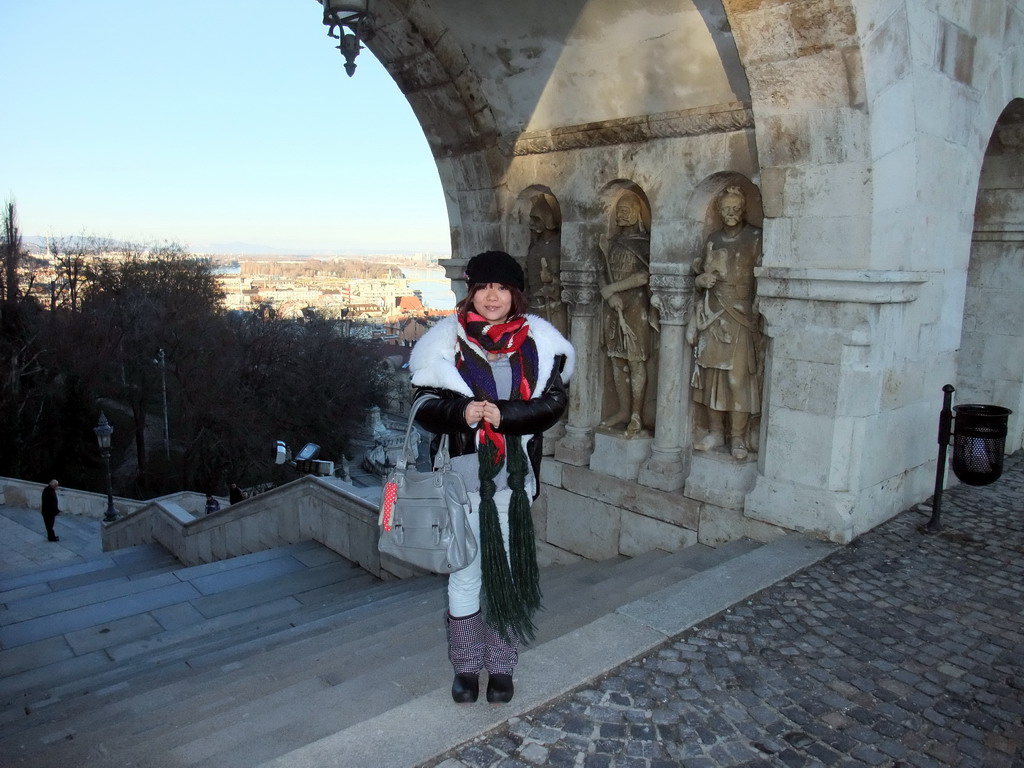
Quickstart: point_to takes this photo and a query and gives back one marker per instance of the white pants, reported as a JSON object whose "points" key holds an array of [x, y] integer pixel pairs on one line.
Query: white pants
{"points": [[464, 586]]}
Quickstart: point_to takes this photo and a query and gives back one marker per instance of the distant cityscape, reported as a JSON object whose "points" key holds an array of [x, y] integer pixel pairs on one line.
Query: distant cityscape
{"points": [[363, 288], [396, 307], [389, 297]]}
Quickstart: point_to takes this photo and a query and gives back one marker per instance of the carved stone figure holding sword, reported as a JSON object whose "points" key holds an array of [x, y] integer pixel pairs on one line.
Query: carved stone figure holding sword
{"points": [[627, 325], [725, 329]]}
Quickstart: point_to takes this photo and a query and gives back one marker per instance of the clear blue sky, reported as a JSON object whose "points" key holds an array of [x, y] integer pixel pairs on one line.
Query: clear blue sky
{"points": [[206, 122]]}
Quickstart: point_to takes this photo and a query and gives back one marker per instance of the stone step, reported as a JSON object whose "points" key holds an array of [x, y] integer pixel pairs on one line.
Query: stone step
{"points": [[237, 705], [549, 671], [43, 665], [174, 692], [136, 571], [225, 741], [58, 574], [643, 575], [361, 613], [98, 586], [184, 648], [593, 573], [301, 609]]}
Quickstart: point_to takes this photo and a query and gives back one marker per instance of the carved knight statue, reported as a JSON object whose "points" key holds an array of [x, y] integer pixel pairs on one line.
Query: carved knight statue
{"points": [[725, 329], [543, 265], [628, 327]]}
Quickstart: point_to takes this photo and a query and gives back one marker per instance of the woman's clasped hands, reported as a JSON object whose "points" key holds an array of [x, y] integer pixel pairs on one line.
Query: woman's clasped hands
{"points": [[482, 410]]}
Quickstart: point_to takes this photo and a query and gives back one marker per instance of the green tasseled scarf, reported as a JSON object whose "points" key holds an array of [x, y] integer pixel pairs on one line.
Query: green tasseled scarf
{"points": [[511, 592]]}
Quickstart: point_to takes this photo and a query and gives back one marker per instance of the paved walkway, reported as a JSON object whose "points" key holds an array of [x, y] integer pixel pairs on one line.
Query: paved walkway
{"points": [[900, 650], [25, 546]]}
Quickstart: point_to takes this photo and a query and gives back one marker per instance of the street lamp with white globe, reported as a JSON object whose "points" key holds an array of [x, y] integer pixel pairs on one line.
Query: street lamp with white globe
{"points": [[103, 432]]}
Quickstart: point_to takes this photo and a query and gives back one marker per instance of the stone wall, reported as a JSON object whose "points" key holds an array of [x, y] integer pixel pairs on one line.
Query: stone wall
{"points": [[862, 127]]}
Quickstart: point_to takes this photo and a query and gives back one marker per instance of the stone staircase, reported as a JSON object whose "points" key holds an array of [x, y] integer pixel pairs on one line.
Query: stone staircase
{"points": [[128, 659]]}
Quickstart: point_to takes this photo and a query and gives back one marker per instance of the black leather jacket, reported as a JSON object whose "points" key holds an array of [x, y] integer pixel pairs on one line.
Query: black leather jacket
{"points": [[446, 414]]}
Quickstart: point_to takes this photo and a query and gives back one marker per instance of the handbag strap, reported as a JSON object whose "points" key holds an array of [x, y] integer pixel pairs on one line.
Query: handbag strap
{"points": [[442, 460]]}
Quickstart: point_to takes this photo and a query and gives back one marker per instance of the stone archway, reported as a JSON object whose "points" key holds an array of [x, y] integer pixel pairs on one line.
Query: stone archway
{"points": [[989, 365], [859, 134]]}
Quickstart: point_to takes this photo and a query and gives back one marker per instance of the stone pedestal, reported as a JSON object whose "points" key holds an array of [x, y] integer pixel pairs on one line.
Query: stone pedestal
{"points": [[620, 456], [552, 436], [717, 478], [664, 472], [576, 446]]}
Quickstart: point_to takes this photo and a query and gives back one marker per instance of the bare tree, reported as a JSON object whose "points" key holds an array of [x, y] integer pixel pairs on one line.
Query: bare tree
{"points": [[149, 297], [234, 383], [72, 257], [11, 252], [19, 358]]}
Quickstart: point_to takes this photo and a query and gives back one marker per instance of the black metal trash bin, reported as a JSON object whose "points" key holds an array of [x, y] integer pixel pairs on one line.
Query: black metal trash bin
{"points": [[979, 440]]}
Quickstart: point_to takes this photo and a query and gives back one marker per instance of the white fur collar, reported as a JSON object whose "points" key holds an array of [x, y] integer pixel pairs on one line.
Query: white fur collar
{"points": [[432, 360]]}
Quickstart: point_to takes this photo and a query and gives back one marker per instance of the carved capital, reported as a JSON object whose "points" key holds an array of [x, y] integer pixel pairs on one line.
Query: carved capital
{"points": [[579, 290], [584, 299], [672, 296]]}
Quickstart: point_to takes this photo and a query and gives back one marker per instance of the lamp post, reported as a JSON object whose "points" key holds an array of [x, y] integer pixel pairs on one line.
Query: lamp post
{"points": [[353, 14], [103, 432]]}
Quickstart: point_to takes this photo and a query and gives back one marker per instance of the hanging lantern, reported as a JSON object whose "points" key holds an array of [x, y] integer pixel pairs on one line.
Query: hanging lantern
{"points": [[355, 17]]}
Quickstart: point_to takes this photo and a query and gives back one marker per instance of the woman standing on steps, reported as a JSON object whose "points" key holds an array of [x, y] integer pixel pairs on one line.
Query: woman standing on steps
{"points": [[499, 376]]}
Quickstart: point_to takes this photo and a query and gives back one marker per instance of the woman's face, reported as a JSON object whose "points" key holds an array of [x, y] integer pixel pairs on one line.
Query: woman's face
{"points": [[493, 302]]}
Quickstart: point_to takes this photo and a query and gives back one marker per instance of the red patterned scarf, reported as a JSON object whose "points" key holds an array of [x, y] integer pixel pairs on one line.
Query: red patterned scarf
{"points": [[480, 338]]}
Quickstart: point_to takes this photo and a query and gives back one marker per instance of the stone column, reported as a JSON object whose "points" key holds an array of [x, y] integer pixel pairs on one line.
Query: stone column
{"points": [[839, 450], [579, 291], [455, 271], [667, 469]]}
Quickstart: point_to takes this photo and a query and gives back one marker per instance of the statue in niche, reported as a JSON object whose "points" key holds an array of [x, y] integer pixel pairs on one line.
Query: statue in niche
{"points": [[543, 265], [628, 327], [725, 329]]}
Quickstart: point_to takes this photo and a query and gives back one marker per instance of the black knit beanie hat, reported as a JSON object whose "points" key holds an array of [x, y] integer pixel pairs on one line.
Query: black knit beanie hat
{"points": [[495, 267]]}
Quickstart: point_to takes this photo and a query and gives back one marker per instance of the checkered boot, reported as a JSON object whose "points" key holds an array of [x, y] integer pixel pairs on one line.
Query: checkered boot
{"points": [[500, 658], [466, 653]]}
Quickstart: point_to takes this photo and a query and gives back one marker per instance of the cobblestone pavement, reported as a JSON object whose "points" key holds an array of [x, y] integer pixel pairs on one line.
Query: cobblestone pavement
{"points": [[902, 649]]}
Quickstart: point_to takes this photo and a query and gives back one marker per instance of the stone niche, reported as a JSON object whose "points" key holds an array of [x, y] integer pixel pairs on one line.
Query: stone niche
{"points": [[625, 477], [540, 216], [725, 336], [616, 479], [628, 358]]}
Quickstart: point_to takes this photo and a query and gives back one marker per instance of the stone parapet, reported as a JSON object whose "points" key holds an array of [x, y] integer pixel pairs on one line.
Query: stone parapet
{"points": [[321, 509], [25, 493]]}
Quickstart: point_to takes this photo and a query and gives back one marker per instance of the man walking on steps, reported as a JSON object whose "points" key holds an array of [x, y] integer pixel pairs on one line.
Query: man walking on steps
{"points": [[50, 509]]}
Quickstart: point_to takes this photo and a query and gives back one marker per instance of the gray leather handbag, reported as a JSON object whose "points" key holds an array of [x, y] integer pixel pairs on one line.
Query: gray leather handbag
{"points": [[423, 517]]}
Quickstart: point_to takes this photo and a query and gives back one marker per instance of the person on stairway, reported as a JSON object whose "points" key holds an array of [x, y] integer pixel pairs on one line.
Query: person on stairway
{"points": [[50, 508], [499, 376]]}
